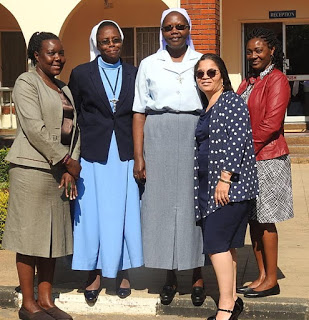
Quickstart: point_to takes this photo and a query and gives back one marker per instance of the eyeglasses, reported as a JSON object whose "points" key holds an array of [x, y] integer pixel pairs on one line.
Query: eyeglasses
{"points": [[106, 42], [177, 26], [211, 73]]}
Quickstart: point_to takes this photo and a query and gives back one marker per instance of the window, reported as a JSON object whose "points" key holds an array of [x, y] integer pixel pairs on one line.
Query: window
{"points": [[139, 43], [147, 42]]}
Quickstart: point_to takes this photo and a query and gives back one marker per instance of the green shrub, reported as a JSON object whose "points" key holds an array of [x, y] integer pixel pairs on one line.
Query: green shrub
{"points": [[4, 166], [4, 197], [4, 193]]}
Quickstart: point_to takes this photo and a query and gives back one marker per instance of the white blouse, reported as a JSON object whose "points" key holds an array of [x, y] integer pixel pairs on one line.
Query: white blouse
{"points": [[162, 84]]}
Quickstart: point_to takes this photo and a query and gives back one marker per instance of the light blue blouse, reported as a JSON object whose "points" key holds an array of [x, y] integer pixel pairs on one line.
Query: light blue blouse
{"points": [[162, 84], [111, 71]]}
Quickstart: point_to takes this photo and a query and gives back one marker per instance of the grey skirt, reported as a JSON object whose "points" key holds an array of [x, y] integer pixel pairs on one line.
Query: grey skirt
{"points": [[38, 220], [171, 237], [275, 200]]}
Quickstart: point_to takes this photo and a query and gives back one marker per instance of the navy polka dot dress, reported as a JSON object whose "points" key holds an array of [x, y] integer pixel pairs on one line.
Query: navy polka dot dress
{"points": [[202, 140], [230, 147]]}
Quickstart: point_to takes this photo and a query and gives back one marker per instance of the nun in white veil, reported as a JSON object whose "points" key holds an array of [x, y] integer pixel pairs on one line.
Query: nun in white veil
{"points": [[107, 228], [167, 107]]}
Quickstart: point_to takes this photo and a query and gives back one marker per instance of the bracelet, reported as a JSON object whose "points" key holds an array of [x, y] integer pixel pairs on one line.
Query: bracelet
{"points": [[227, 172], [225, 181], [66, 158]]}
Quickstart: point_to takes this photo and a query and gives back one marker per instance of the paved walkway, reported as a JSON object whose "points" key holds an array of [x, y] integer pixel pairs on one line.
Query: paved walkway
{"points": [[293, 272]]}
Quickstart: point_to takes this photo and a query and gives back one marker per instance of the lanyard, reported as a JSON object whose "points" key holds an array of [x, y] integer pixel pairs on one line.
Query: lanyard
{"points": [[114, 100]]}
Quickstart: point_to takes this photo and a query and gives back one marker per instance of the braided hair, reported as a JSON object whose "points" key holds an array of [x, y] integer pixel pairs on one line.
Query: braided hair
{"points": [[272, 42], [35, 43]]}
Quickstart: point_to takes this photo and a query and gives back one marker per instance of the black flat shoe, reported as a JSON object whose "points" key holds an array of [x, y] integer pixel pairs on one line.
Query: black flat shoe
{"points": [[265, 293], [198, 296], [91, 296], [232, 317], [122, 293], [167, 295], [238, 307], [243, 290]]}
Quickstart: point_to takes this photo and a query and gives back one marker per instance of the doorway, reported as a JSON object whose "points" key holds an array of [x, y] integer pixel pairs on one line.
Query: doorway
{"points": [[13, 57], [297, 70]]}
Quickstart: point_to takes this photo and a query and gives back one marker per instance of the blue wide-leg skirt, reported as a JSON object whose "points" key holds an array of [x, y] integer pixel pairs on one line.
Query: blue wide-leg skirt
{"points": [[107, 227]]}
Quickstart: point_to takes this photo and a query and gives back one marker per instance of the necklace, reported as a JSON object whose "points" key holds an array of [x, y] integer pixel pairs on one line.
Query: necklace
{"points": [[114, 100]]}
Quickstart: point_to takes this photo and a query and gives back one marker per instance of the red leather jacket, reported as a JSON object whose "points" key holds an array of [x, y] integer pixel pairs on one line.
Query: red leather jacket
{"points": [[267, 104]]}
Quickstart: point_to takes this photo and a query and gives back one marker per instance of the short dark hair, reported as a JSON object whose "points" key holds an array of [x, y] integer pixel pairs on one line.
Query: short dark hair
{"points": [[227, 86], [272, 42], [35, 43]]}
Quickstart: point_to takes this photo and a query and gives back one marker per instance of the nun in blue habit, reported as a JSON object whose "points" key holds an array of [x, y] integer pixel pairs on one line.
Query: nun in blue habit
{"points": [[107, 228]]}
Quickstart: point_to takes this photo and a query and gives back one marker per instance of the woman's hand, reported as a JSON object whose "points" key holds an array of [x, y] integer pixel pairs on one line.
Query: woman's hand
{"points": [[222, 193], [139, 171], [73, 168], [68, 182]]}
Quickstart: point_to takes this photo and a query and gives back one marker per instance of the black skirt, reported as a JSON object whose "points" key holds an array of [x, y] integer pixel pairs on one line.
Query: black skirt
{"points": [[226, 227]]}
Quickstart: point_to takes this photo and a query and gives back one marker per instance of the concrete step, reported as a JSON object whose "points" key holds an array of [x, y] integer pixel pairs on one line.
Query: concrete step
{"points": [[143, 303], [296, 127], [297, 138], [299, 158], [299, 146], [299, 149], [258, 309]]}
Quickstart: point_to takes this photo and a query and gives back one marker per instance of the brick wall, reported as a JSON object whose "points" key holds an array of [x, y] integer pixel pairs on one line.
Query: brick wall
{"points": [[205, 16]]}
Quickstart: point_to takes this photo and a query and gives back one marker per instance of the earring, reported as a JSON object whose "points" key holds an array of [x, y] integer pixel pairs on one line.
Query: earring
{"points": [[272, 58]]}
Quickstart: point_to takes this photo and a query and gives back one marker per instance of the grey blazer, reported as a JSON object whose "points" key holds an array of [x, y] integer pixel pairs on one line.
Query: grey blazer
{"points": [[39, 118]]}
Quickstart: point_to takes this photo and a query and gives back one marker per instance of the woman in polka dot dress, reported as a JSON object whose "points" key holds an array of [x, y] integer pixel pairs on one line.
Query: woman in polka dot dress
{"points": [[226, 178]]}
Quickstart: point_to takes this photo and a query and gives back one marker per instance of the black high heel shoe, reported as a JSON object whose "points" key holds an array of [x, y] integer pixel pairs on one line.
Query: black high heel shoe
{"points": [[237, 310], [232, 317], [238, 307]]}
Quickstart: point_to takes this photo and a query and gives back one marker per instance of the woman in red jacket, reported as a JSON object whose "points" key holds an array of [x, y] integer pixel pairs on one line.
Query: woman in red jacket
{"points": [[267, 92]]}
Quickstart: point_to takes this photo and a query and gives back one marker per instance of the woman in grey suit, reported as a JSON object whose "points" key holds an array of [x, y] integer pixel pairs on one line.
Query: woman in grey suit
{"points": [[43, 162]]}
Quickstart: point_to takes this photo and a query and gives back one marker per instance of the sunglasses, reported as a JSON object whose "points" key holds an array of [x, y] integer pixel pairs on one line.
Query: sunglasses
{"points": [[211, 73], [177, 26], [106, 42]]}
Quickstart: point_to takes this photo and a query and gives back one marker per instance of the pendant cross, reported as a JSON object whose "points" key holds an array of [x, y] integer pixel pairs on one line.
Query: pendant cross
{"points": [[114, 102]]}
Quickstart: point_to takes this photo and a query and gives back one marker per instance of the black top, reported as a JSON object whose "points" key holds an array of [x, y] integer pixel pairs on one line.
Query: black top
{"points": [[202, 139], [95, 117]]}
